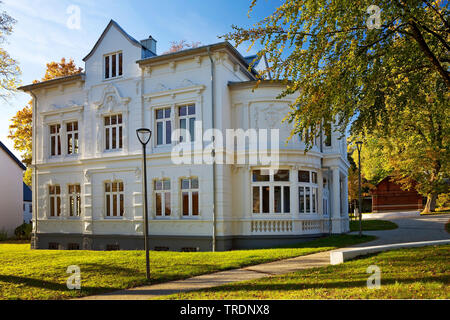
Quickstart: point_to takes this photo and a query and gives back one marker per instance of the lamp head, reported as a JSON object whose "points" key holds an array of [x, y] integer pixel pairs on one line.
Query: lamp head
{"points": [[144, 135], [359, 144]]}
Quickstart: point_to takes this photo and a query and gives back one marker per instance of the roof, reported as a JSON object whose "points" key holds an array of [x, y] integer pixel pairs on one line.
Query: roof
{"points": [[253, 83], [12, 156], [27, 195], [250, 59], [214, 46], [74, 77], [125, 34]]}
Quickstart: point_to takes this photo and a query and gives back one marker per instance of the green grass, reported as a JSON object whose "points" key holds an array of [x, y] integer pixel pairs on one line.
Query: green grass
{"points": [[371, 225], [41, 274], [419, 273]]}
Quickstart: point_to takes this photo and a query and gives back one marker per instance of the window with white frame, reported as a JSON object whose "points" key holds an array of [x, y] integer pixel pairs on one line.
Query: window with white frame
{"points": [[55, 140], [307, 192], [55, 200], [163, 126], [162, 198], [113, 64], [189, 197], [271, 191], [186, 116], [113, 132], [74, 200], [114, 199], [327, 134], [72, 137]]}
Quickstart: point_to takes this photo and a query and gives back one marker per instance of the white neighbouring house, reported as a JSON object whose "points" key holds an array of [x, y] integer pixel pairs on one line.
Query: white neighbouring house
{"points": [[87, 182], [11, 191]]}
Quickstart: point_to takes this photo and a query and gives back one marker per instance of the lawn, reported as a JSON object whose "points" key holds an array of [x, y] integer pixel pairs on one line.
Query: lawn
{"points": [[41, 274], [419, 273], [371, 225]]}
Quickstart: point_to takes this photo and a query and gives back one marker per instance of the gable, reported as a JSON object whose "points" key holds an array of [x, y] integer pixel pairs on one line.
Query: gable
{"points": [[112, 24]]}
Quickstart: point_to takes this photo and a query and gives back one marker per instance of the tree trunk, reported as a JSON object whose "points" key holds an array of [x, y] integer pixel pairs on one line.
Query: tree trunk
{"points": [[431, 203]]}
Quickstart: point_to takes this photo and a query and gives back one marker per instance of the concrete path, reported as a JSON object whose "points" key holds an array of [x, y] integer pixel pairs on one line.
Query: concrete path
{"points": [[218, 278], [412, 228]]}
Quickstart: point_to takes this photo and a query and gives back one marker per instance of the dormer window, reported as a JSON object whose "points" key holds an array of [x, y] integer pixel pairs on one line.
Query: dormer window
{"points": [[113, 64]]}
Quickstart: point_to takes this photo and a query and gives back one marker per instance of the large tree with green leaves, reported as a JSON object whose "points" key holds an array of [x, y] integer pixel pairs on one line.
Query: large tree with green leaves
{"points": [[343, 69], [413, 147]]}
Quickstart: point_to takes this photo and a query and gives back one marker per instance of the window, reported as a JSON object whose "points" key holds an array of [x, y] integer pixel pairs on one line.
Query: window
{"points": [[72, 137], [186, 115], [189, 195], [307, 192], [114, 199], [55, 140], [73, 246], [271, 191], [112, 247], [162, 198], [53, 246], [55, 200], [113, 65], [74, 200], [113, 132], [163, 126]]}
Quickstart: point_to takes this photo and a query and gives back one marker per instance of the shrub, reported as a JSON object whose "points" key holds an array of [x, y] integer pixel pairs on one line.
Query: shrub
{"points": [[3, 235], [23, 232]]}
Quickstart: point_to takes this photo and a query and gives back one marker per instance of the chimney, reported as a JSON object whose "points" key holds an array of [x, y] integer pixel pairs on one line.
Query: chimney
{"points": [[149, 49]]}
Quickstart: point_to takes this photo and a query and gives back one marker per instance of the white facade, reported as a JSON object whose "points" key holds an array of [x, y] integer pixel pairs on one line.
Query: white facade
{"points": [[89, 193], [11, 191]]}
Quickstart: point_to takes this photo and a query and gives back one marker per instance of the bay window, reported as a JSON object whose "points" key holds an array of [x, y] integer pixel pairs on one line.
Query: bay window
{"points": [[271, 191], [307, 192]]}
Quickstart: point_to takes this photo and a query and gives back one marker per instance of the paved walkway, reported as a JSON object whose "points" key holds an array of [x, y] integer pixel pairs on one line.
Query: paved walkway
{"points": [[412, 228]]}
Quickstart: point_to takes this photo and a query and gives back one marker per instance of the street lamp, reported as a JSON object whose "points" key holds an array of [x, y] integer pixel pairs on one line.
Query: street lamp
{"points": [[144, 136], [359, 147]]}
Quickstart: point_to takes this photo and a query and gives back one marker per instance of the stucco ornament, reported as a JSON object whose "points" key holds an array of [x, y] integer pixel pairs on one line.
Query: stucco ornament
{"points": [[111, 98]]}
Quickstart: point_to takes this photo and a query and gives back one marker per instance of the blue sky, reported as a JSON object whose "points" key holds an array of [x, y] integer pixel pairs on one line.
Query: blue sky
{"points": [[41, 34]]}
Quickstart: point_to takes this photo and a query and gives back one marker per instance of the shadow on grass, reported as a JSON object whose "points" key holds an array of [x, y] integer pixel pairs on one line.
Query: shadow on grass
{"points": [[43, 284], [342, 284]]}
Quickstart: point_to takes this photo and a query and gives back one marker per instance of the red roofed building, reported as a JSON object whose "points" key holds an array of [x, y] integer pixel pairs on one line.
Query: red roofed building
{"points": [[389, 196]]}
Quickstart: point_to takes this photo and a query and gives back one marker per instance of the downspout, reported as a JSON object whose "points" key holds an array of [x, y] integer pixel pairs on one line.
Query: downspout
{"points": [[213, 115], [34, 205]]}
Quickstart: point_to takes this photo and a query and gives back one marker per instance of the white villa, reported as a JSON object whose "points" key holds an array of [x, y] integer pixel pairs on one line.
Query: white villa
{"points": [[87, 183]]}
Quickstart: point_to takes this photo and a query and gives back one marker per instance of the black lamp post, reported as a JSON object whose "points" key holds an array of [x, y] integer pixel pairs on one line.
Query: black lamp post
{"points": [[144, 136], [359, 146]]}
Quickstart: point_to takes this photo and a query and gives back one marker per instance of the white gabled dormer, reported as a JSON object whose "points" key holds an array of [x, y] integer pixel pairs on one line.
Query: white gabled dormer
{"points": [[114, 56]]}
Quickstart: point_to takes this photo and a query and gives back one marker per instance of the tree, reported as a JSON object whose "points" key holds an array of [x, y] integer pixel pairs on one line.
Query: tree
{"points": [[181, 45], [9, 69], [414, 146], [341, 68], [20, 131], [353, 176]]}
